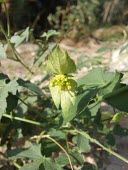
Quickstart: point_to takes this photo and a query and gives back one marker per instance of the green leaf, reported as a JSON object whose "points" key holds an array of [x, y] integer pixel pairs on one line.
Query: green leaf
{"points": [[2, 0], [103, 49], [90, 113], [56, 95], [84, 133], [2, 51], [57, 134], [31, 86], [117, 117], [76, 159], [42, 164], [25, 33], [96, 78], [81, 103], [4, 90], [13, 86], [49, 164], [12, 101], [33, 152], [60, 63], [116, 93], [3, 76], [65, 99], [113, 85], [18, 39], [49, 34], [118, 99], [67, 102], [83, 144], [93, 108], [33, 165], [110, 140]]}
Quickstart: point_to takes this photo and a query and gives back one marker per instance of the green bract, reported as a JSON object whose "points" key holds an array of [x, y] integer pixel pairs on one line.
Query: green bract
{"points": [[60, 63], [62, 86]]}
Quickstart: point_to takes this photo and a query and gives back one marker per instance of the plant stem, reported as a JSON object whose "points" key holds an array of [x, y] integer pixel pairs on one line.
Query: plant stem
{"points": [[16, 165], [8, 21], [15, 53], [23, 120], [31, 108], [48, 137], [99, 144], [67, 142]]}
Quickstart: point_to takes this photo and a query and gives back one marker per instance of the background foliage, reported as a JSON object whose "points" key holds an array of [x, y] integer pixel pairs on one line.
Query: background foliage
{"points": [[63, 15]]}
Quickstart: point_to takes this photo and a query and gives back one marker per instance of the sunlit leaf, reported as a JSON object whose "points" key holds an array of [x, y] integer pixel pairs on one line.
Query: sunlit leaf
{"points": [[76, 159], [80, 105], [5, 88], [33, 165], [96, 78], [56, 95], [83, 144], [60, 63], [49, 34], [18, 39], [117, 117], [67, 101]]}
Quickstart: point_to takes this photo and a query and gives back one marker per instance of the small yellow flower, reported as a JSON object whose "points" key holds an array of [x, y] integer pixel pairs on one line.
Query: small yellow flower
{"points": [[69, 87], [63, 82]]}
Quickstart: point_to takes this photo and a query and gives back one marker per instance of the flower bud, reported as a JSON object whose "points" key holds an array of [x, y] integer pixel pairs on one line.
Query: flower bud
{"points": [[69, 87], [52, 84]]}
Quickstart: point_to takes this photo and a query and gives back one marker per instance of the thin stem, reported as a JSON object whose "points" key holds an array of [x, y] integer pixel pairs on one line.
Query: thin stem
{"points": [[48, 137], [14, 52], [11, 58], [3, 31], [16, 165], [17, 55], [67, 142], [8, 21], [99, 144], [31, 108], [23, 120]]}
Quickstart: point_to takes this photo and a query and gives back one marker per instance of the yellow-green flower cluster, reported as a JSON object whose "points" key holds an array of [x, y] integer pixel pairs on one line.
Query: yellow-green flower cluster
{"points": [[62, 81]]}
